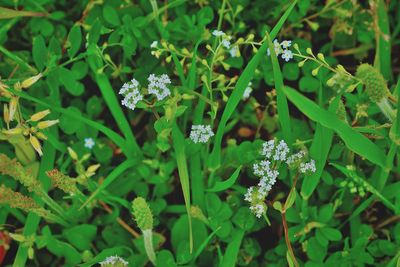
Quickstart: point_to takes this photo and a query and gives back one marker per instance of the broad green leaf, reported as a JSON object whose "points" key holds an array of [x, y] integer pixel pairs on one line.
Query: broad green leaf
{"points": [[39, 52], [110, 15], [74, 40], [353, 140]]}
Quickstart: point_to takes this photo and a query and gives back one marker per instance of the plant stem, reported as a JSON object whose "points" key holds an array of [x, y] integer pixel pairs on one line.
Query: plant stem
{"points": [[148, 245], [289, 246]]}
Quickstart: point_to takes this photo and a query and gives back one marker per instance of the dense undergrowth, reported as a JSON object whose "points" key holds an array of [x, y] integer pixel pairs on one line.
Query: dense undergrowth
{"points": [[199, 133]]}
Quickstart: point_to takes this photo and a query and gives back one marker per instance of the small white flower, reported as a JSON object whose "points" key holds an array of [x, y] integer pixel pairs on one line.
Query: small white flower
{"points": [[158, 86], [234, 51], [281, 151], [258, 210], [201, 133], [267, 149], [131, 94], [287, 55], [113, 260], [295, 158], [308, 167], [286, 44], [218, 33], [154, 44], [249, 195], [277, 48], [247, 91], [89, 143], [226, 43]]}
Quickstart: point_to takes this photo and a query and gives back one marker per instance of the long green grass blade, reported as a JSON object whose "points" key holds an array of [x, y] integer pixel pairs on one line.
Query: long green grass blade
{"points": [[282, 104], [383, 56], [232, 251], [236, 96], [180, 155], [115, 108], [353, 140]]}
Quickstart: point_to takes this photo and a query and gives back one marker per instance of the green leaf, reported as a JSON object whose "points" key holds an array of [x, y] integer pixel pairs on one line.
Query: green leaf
{"points": [[331, 233], [110, 15], [81, 236], [222, 186], [74, 40], [290, 199], [7, 13], [283, 109], [68, 79], [353, 140], [39, 52], [232, 251], [180, 155]]}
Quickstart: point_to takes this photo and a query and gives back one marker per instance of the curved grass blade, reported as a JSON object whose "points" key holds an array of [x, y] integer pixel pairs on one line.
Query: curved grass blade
{"points": [[179, 146], [353, 140], [222, 186], [236, 96]]}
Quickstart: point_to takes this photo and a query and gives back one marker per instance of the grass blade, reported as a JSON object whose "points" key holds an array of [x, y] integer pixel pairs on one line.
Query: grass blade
{"points": [[283, 109], [383, 57], [180, 155], [222, 186], [236, 96], [115, 108], [232, 251], [353, 140]]}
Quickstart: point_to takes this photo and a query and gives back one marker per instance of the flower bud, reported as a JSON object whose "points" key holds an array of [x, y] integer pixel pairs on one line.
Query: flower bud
{"points": [[375, 84], [309, 51], [40, 115], [13, 108], [72, 153], [46, 124], [36, 144], [30, 81], [142, 213], [6, 114]]}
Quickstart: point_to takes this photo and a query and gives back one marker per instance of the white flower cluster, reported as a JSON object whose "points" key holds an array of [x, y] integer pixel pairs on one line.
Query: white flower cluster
{"points": [[131, 94], [247, 91], [158, 86], [275, 153], [201, 133], [307, 167], [282, 48], [113, 261]]}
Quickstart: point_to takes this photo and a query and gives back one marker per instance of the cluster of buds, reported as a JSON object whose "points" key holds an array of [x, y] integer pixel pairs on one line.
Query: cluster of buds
{"points": [[62, 181], [31, 129], [83, 172], [275, 154], [19, 201], [114, 261], [21, 174]]}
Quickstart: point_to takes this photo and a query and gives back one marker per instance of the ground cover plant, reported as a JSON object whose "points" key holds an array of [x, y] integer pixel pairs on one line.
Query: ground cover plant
{"points": [[199, 133]]}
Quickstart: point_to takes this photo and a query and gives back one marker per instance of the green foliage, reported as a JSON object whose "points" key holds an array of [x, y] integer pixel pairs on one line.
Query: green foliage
{"points": [[100, 164]]}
